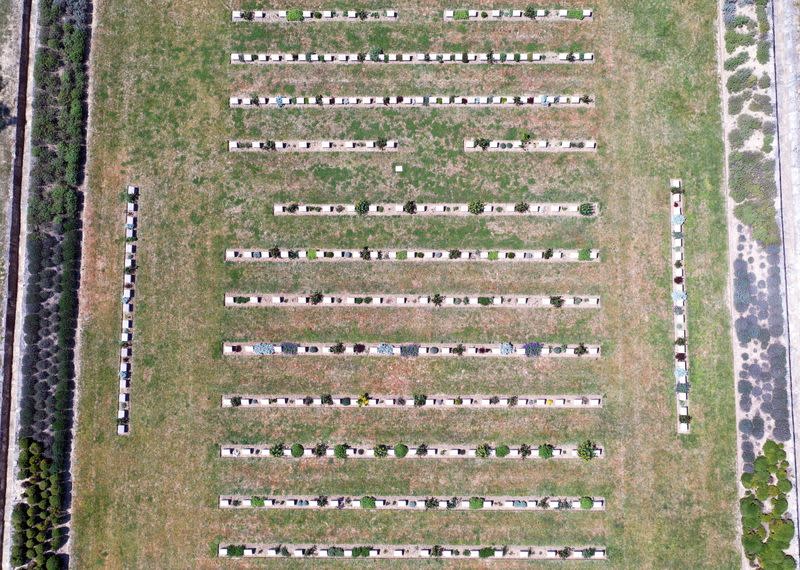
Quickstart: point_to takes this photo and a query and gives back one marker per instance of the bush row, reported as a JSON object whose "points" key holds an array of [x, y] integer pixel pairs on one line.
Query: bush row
{"points": [[53, 253]]}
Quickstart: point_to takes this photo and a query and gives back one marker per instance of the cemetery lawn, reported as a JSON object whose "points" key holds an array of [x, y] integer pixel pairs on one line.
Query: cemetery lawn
{"points": [[160, 120]]}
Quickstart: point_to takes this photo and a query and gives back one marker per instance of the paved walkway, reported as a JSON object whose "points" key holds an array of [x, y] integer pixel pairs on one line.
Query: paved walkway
{"points": [[788, 98]]}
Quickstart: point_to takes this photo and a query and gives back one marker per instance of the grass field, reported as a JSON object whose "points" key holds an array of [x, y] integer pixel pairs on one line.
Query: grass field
{"points": [[161, 120]]}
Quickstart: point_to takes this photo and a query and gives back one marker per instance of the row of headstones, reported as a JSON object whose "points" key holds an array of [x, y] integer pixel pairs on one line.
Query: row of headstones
{"points": [[516, 14], [515, 255], [416, 58], [298, 451], [413, 503], [356, 401], [126, 335], [298, 15], [315, 146], [389, 300], [411, 551], [440, 209], [414, 101], [504, 349], [472, 145], [679, 296]]}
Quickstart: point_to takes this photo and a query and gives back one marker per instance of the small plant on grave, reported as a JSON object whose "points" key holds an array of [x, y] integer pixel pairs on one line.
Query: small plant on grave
{"points": [[557, 301], [485, 301], [277, 450], [482, 143], [365, 253], [422, 450], [410, 207], [381, 450], [367, 502], [236, 550], [437, 550], [340, 450], [546, 451], [236, 401], [581, 349], [502, 451], [483, 451], [419, 399], [586, 209], [337, 348], [308, 400], [476, 503], [586, 450], [530, 11], [362, 57], [454, 254], [486, 552], [459, 350], [292, 208], [548, 253], [294, 15], [315, 298], [524, 450], [587, 503], [437, 299], [274, 252], [431, 503], [409, 350], [362, 207], [359, 348], [565, 553], [494, 255], [584, 254], [476, 207], [363, 400], [320, 450], [297, 450], [270, 145], [362, 14], [521, 207], [400, 450], [381, 143], [589, 552]]}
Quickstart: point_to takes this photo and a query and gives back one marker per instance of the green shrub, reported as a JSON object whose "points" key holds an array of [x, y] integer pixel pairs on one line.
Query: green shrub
{"points": [[763, 52], [368, 502], [741, 79], [585, 254], [236, 550], [294, 15], [297, 450], [476, 207], [485, 301], [587, 503], [521, 207], [557, 301], [340, 451], [362, 207], [400, 450], [277, 450], [734, 40], [483, 451], [494, 255], [461, 14], [761, 103], [764, 82], [586, 450], [575, 14], [586, 209], [476, 503], [486, 552], [311, 254], [546, 451], [401, 255], [502, 451], [735, 61], [736, 102], [381, 450]]}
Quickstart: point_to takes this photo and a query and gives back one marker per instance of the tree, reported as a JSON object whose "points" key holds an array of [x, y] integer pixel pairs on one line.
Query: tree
{"points": [[586, 450], [476, 207], [362, 207]]}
